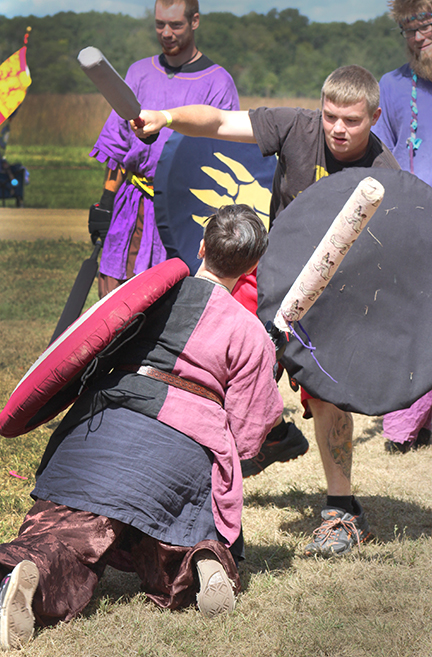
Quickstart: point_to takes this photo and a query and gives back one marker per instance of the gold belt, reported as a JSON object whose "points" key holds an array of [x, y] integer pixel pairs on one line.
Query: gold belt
{"points": [[140, 182]]}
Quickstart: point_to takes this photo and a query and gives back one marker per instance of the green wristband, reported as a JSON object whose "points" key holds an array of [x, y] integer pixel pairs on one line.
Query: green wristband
{"points": [[168, 117]]}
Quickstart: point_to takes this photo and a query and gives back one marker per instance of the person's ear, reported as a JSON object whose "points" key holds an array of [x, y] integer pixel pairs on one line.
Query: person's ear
{"points": [[201, 250], [376, 115], [195, 21]]}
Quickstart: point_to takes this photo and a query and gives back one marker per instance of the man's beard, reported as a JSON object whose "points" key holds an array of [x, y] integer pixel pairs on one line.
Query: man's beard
{"points": [[421, 64], [175, 50]]}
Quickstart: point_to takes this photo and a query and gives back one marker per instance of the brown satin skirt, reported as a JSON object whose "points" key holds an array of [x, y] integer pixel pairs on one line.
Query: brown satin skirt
{"points": [[71, 549]]}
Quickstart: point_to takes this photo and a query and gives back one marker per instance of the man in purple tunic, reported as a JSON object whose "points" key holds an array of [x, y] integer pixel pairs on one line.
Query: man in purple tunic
{"points": [[405, 127], [181, 75]]}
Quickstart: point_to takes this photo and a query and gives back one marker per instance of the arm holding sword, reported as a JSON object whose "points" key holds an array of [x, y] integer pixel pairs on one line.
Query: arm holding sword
{"points": [[310, 145]]}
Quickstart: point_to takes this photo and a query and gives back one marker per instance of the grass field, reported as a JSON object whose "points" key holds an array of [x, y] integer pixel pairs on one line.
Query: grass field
{"points": [[60, 176], [375, 603]]}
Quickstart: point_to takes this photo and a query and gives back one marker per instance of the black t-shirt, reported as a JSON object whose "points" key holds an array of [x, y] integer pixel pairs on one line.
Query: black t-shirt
{"points": [[374, 149], [296, 135]]}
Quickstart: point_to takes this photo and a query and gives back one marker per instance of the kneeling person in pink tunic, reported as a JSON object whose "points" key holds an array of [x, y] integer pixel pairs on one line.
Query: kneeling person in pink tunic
{"points": [[143, 473]]}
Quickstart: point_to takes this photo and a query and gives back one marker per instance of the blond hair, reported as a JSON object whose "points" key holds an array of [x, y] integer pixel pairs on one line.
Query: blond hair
{"points": [[348, 85], [404, 11]]}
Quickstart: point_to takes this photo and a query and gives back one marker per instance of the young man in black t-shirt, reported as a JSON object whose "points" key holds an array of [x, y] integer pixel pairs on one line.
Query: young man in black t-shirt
{"points": [[309, 145]]}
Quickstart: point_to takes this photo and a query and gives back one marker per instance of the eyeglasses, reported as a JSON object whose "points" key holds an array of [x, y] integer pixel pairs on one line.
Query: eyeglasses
{"points": [[425, 30]]}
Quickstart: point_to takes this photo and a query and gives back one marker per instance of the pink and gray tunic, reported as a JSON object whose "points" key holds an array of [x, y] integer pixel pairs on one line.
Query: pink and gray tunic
{"points": [[116, 464], [157, 87]]}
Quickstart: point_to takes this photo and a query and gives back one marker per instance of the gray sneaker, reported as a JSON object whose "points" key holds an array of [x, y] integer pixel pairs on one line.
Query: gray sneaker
{"points": [[216, 594], [16, 616], [339, 532]]}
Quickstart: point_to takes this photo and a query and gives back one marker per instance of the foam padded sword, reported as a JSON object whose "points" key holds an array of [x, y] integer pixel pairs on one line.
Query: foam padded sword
{"points": [[112, 86], [328, 255]]}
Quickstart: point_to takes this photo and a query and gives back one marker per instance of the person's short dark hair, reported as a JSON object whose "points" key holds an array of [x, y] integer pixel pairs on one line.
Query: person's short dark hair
{"points": [[235, 238], [349, 85], [191, 7]]}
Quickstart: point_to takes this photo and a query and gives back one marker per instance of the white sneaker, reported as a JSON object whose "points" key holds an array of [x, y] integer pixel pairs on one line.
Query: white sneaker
{"points": [[216, 594], [16, 616]]}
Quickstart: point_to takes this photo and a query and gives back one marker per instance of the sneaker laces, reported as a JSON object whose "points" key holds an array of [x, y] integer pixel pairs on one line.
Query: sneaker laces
{"points": [[328, 527]]}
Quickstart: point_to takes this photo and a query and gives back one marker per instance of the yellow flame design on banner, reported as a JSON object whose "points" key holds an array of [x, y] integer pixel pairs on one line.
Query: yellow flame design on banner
{"points": [[241, 187], [14, 82]]}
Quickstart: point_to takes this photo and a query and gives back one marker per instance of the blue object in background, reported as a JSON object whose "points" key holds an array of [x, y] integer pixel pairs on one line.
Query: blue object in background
{"points": [[13, 177], [194, 177]]}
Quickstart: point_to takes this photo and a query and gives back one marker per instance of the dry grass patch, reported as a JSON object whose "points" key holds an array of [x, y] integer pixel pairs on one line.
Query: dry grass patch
{"points": [[375, 602], [77, 119], [60, 119], [252, 102]]}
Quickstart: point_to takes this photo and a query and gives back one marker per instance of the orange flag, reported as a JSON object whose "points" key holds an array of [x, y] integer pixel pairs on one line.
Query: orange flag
{"points": [[14, 81]]}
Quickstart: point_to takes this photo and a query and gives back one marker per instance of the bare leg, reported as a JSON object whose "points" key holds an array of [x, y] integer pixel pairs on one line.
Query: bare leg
{"points": [[340, 530], [333, 432]]}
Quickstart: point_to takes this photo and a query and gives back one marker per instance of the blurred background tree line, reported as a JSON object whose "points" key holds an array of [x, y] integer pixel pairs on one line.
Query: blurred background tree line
{"points": [[280, 53]]}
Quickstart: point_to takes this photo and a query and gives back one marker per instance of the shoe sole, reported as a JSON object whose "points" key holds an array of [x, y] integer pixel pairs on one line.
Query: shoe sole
{"points": [[216, 595], [16, 616]]}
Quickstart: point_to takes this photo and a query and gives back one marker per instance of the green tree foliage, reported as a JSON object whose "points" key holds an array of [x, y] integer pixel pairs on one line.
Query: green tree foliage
{"points": [[280, 53]]}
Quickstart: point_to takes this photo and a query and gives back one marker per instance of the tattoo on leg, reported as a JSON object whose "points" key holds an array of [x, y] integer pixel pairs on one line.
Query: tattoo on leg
{"points": [[340, 442]]}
